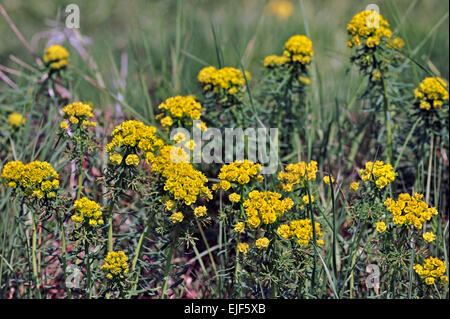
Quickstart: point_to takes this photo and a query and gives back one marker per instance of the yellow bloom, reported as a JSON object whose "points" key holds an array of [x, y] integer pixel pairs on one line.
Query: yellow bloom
{"points": [[410, 210], [179, 107], [381, 227], [302, 230], [16, 119], [305, 199], [265, 207], [281, 9], [176, 217], [328, 179], [299, 49], [262, 243], [228, 79], [432, 92], [115, 159], [297, 174], [63, 125], [432, 268], [234, 198], [354, 186], [239, 227], [241, 172], [88, 212], [242, 248], [368, 26], [132, 159], [169, 205], [56, 57], [379, 173], [200, 211], [429, 236], [116, 265]]}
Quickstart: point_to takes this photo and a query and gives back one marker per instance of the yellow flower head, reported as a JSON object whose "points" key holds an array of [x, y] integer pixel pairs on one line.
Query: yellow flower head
{"points": [[368, 28], [328, 179], [56, 57], [179, 107], [88, 212], [354, 186], [381, 227], [379, 173], [176, 217], [116, 265], [239, 172], [410, 210], [228, 80], [302, 230], [432, 269], [274, 61], [305, 199], [299, 49], [135, 136], [78, 113], [234, 198], [200, 211], [431, 93], [242, 248], [429, 237], [37, 179], [239, 227], [262, 243], [16, 120], [132, 160], [299, 174], [281, 9], [265, 207]]}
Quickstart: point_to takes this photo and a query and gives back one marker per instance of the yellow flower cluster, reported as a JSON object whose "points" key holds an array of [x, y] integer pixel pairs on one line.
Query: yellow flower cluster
{"points": [[129, 138], [229, 79], [179, 107], [265, 207], [410, 210], [176, 217], [116, 265], [381, 227], [354, 186], [241, 172], [328, 179], [302, 230], [432, 92], [262, 243], [56, 57], [16, 119], [368, 28], [200, 211], [379, 172], [297, 174], [37, 179], [298, 48], [77, 113], [182, 180], [429, 237], [281, 9], [234, 198], [242, 248], [239, 227], [87, 211], [432, 268], [274, 61], [397, 43]]}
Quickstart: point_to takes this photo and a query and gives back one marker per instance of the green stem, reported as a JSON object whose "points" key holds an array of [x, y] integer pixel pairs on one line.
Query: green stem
{"points": [[169, 261], [80, 178], [33, 254], [110, 229], [387, 121], [208, 248], [64, 251], [88, 267], [138, 249]]}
